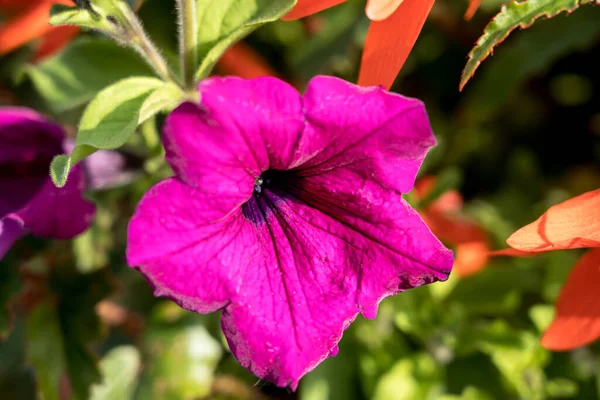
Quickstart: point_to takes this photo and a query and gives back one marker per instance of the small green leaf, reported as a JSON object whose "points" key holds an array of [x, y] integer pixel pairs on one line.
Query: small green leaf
{"points": [[165, 98], [45, 342], [416, 377], [183, 361], [107, 122], [119, 368], [222, 23], [73, 77], [512, 16]]}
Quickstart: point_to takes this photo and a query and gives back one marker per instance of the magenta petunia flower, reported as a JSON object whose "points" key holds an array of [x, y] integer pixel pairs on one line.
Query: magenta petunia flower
{"points": [[286, 214], [29, 201]]}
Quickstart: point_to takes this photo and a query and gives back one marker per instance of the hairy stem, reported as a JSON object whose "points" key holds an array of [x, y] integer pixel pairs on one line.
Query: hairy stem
{"points": [[188, 40], [138, 39]]}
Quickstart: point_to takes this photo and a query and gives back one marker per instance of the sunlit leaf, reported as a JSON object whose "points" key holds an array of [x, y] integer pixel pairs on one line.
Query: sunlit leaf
{"points": [[416, 377], [222, 23], [84, 68], [107, 123], [119, 368], [499, 82], [513, 15], [183, 361]]}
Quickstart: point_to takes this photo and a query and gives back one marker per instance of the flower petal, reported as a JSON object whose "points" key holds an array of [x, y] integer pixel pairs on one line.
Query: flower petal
{"points": [[25, 135], [54, 41], [10, 231], [180, 249], [60, 213], [241, 129], [27, 144], [473, 6], [572, 224], [241, 60], [28, 25], [378, 135], [305, 8], [390, 41], [379, 10], [290, 281], [577, 320]]}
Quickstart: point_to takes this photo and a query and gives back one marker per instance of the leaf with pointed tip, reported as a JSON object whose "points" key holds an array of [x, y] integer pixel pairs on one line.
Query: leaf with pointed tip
{"points": [[514, 15], [224, 22], [76, 75], [107, 122]]}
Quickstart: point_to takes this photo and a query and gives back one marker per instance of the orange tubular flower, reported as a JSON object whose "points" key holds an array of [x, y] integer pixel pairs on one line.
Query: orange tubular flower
{"points": [[445, 221], [394, 29], [29, 21], [572, 224]]}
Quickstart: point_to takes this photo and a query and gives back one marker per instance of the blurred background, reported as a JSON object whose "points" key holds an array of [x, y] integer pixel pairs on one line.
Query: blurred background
{"points": [[76, 322]]}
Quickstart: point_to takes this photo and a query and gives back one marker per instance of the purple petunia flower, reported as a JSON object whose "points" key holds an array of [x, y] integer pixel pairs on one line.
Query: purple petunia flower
{"points": [[29, 201], [286, 214]]}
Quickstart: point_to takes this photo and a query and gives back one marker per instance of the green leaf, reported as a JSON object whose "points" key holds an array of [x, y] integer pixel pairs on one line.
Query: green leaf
{"points": [[45, 343], [73, 77], [512, 16], [165, 98], [120, 368], [499, 82], [518, 355], [107, 122], [80, 325], [416, 377], [183, 361], [224, 22]]}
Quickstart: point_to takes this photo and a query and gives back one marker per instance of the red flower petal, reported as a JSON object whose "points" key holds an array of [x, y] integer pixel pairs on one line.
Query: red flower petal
{"points": [[240, 60], [55, 41], [577, 320], [572, 224], [28, 25], [470, 258], [473, 6], [308, 7], [389, 42]]}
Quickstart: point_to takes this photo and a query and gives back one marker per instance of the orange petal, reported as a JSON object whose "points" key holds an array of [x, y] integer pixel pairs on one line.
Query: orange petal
{"points": [[577, 320], [389, 42], [242, 61], [572, 224], [308, 7], [470, 258], [378, 10], [453, 228], [28, 25], [16, 5], [473, 6], [55, 41]]}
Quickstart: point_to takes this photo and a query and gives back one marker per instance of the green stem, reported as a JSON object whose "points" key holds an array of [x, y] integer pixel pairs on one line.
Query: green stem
{"points": [[188, 41], [137, 38]]}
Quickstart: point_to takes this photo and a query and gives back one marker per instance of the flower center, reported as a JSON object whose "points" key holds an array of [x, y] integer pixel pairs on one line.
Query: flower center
{"points": [[269, 188]]}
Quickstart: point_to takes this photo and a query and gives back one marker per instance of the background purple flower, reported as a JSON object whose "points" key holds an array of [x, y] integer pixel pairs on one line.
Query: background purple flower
{"points": [[29, 201], [286, 213]]}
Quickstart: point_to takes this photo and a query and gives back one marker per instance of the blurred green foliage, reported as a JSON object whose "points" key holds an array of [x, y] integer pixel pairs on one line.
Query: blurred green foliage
{"points": [[524, 134]]}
